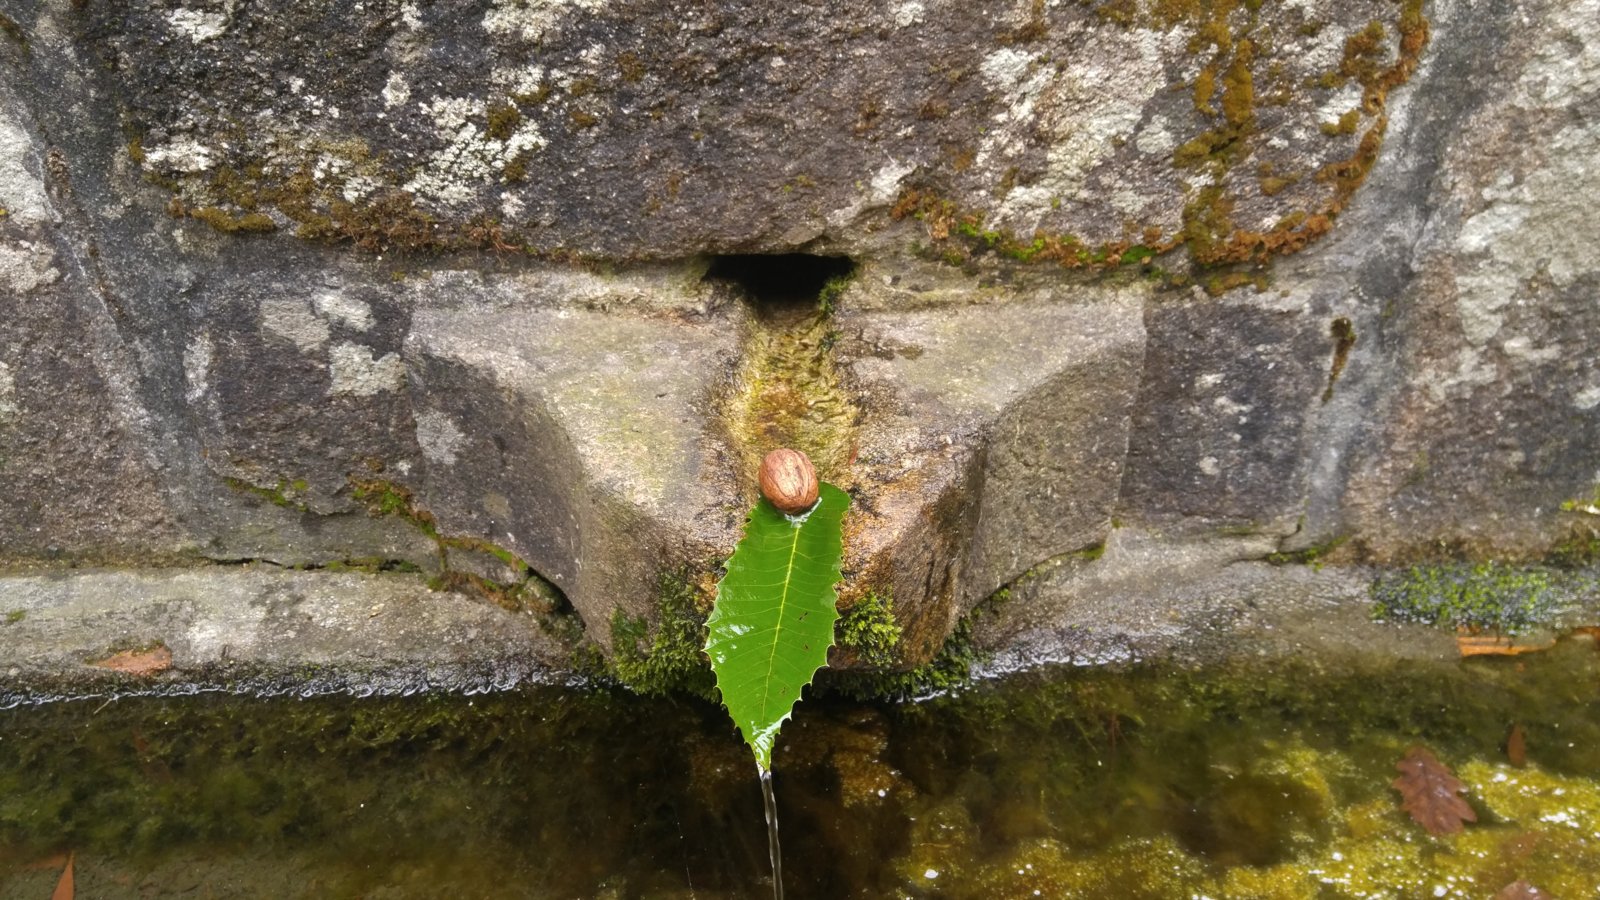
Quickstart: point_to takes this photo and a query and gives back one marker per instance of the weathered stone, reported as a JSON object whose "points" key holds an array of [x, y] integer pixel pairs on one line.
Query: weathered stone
{"points": [[1028, 193], [997, 432], [506, 122], [1220, 433], [1492, 424], [579, 440], [257, 629], [78, 473]]}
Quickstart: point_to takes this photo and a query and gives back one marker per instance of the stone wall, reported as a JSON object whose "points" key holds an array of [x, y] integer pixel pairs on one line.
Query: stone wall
{"points": [[488, 289]]}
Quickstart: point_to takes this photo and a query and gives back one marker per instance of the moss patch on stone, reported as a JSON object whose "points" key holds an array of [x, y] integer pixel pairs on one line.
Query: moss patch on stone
{"points": [[1480, 597], [951, 668], [788, 391], [1229, 37], [868, 630], [669, 659]]}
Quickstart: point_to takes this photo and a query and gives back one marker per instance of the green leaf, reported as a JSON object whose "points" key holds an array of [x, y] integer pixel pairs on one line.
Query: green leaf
{"points": [[773, 622]]}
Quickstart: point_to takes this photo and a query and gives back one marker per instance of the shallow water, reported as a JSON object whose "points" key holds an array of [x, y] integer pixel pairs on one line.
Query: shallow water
{"points": [[1267, 779]]}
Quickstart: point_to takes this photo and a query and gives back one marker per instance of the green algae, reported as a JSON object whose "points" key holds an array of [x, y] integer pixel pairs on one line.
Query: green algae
{"points": [[788, 391], [1260, 778]]}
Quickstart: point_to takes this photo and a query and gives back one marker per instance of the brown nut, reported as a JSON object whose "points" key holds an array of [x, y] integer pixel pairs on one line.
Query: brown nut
{"points": [[789, 481]]}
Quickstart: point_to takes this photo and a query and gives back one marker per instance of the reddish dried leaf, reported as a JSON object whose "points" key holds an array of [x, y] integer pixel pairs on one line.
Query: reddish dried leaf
{"points": [[1521, 890], [1517, 746], [64, 888], [1498, 645], [1429, 793], [139, 662]]}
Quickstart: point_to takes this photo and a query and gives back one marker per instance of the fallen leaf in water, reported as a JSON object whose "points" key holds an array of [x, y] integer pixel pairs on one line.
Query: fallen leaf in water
{"points": [[64, 889], [1517, 746], [138, 662], [1429, 793], [1498, 645], [1521, 890]]}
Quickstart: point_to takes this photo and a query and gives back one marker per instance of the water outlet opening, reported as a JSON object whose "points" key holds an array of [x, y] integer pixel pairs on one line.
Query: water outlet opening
{"points": [[780, 282]]}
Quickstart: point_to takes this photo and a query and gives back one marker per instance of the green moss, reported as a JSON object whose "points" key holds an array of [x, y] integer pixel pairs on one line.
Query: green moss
{"points": [[869, 630], [1347, 124], [228, 223], [951, 668], [1310, 556], [1486, 596], [286, 494], [502, 119], [524, 591], [1580, 548], [671, 659], [15, 616], [828, 298], [788, 391]]}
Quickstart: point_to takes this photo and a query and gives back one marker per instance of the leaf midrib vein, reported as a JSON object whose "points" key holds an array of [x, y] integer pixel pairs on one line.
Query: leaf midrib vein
{"points": [[777, 631]]}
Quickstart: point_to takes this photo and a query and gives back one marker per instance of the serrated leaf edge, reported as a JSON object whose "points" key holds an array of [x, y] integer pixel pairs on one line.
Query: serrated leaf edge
{"points": [[762, 743]]}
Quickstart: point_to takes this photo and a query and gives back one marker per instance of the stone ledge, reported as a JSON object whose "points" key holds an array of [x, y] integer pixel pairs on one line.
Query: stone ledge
{"points": [[259, 630]]}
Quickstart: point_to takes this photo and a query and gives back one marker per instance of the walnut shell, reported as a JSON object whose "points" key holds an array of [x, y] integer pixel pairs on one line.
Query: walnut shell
{"points": [[789, 481]]}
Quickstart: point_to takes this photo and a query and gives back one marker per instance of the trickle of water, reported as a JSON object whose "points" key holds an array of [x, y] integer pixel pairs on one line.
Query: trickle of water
{"points": [[771, 804]]}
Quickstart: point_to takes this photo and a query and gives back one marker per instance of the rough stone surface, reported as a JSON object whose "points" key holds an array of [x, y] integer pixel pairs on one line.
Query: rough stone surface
{"points": [[440, 294], [531, 121], [258, 629]]}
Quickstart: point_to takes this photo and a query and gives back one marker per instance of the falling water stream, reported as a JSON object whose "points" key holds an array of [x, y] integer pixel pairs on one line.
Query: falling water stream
{"points": [[770, 802]]}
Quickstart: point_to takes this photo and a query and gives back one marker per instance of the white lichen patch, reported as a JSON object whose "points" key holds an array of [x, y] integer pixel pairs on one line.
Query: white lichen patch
{"points": [[1343, 101], [293, 320], [471, 158], [356, 372], [182, 155], [532, 20], [516, 80], [1530, 228], [1083, 112], [346, 311], [1154, 139], [396, 91], [881, 191], [1588, 398], [438, 437], [22, 193], [26, 266], [1535, 226], [196, 24], [907, 14], [197, 358], [9, 410]]}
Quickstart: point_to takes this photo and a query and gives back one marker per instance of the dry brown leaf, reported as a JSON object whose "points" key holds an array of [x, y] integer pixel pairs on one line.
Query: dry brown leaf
{"points": [[1517, 746], [1428, 791], [139, 662], [64, 888], [1498, 645], [1521, 890]]}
